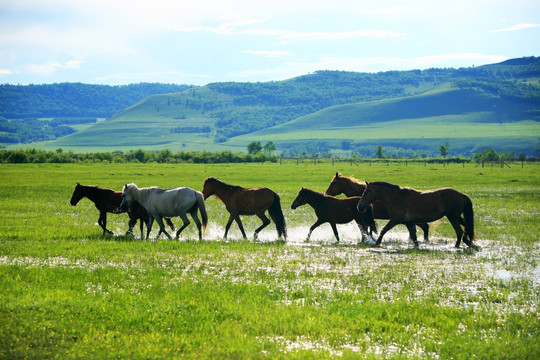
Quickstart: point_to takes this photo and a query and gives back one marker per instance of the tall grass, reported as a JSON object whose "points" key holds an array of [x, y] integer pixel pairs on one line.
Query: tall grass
{"points": [[68, 292]]}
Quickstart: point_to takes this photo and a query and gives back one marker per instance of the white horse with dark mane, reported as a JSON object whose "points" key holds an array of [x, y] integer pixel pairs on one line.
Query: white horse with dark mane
{"points": [[160, 203]]}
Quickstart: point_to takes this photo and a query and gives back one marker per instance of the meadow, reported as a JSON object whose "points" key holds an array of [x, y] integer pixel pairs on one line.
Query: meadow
{"points": [[69, 292]]}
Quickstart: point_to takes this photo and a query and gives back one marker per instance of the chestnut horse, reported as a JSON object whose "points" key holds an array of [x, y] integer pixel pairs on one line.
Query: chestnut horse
{"points": [[247, 201], [408, 206], [352, 187], [108, 200], [335, 211]]}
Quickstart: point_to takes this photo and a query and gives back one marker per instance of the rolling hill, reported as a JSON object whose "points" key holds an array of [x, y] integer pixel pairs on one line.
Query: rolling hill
{"points": [[468, 119], [407, 112]]}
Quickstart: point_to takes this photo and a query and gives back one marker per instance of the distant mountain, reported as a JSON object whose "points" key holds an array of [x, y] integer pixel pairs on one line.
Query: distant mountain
{"points": [[334, 111]]}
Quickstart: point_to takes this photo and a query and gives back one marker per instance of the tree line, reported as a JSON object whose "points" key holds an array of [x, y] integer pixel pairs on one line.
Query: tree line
{"points": [[258, 154]]}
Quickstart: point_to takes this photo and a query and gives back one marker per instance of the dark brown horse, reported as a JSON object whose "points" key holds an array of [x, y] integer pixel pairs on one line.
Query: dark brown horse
{"points": [[108, 200], [247, 201], [352, 187], [335, 211], [408, 206]]}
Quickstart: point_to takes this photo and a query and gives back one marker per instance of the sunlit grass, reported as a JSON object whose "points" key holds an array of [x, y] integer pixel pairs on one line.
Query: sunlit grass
{"points": [[68, 292]]}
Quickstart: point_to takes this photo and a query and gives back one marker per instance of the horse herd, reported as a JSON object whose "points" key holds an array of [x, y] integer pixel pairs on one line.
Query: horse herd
{"points": [[365, 202]]}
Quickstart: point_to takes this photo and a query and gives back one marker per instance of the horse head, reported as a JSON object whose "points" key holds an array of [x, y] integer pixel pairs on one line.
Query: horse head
{"points": [[77, 194], [336, 185], [300, 199], [127, 196], [367, 198], [208, 187]]}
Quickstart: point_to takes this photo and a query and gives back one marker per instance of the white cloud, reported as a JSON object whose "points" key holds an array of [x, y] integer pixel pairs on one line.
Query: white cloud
{"points": [[268, 53], [516, 28], [5, 72], [51, 67]]}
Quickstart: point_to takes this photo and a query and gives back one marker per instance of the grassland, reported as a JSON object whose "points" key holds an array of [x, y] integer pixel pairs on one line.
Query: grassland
{"points": [[67, 292]]}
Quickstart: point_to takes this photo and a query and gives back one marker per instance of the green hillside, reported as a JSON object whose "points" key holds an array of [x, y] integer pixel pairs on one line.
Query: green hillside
{"points": [[333, 111], [469, 119]]}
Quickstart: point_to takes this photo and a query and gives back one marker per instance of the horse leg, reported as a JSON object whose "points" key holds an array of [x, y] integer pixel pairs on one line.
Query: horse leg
{"points": [[386, 228], [265, 223], [149, 226], [159, 220], [185, 221], [228, 226], [334, 229], [239, 222], [317, 223], [412, 233], [141, 226], [425, 228], [170, 223], [363, 229], [102, 221], [457, 228], [197, 222], [466, 238], [131, 224]]}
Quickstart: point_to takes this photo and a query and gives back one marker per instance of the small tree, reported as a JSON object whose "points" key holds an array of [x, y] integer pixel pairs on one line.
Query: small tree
{"points": [[444, 148], [254, 147], [379, 153], [269, 147]]}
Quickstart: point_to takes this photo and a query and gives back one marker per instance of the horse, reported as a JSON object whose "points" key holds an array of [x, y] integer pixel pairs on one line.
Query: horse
{"points": [[335, 211], [352, 187], [247, 201], [160, 203], [108, 200], [408, 206]]}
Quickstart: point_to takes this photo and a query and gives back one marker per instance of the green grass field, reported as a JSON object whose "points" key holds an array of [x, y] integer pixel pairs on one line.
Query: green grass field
{"points": [[67, 292]]}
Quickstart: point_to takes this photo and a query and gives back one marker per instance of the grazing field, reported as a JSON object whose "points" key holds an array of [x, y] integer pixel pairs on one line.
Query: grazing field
{"points": [[67, 292]]}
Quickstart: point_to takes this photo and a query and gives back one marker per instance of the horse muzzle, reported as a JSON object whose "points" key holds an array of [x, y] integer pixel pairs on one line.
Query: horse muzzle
{"points": [[124, 206], [361, 206]]}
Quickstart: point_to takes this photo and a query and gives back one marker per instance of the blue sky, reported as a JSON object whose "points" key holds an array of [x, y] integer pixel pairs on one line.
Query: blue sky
{"points": [[198, 42]]}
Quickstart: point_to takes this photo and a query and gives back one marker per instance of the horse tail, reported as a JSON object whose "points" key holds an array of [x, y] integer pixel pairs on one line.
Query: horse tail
{"points": [[202, 209], [277, 215], [469, 218]]}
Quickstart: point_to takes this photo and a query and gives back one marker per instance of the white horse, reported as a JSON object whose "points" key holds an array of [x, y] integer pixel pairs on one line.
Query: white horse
{"points": [[160, 203]]}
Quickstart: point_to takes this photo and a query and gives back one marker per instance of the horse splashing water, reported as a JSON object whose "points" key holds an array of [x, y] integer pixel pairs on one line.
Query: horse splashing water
{"points": [[408, 206], [109, 200], [247, 201], [335, 211], [352, 187], [160, 203]]}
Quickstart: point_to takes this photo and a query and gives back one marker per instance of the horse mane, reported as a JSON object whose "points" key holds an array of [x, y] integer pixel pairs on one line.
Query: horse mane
{"points": [[355, 180], [351, 179], [393, 186], [223, 183], [97, 188], [314, 192]]}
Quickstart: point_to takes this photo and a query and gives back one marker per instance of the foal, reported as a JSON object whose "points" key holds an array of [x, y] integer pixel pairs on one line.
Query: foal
{"points": [[335, 211]]}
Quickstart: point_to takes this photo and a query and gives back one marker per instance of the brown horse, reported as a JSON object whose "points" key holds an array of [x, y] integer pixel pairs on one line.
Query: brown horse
{"points": [[108, 200], [352, 187], [247, 201], [335, 211], [408, 206]]}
